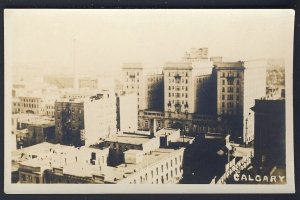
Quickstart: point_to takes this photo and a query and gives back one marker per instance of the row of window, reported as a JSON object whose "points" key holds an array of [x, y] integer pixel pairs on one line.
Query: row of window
{"points": [[178, 73], [178, 80], [30, 100], [230, 82], [230, 105], [133, 80], [177, 95], [230, 97], [177, 88], [137, 73], [132, 87], [144, 178], [230, 89], [236, 74]]}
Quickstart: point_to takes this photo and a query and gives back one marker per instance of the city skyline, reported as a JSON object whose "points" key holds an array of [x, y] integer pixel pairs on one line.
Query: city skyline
{"points": [[182, 97]]}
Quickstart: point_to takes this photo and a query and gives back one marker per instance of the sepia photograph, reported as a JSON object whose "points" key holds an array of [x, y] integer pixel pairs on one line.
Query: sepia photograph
{"points": [[148, 101]]}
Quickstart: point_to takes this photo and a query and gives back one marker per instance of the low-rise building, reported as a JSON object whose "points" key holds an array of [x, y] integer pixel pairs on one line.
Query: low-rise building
{"points": [[55, 163], [30, 129]]}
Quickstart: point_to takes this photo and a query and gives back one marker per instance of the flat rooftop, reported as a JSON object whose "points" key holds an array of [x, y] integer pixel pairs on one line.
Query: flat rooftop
{"points": [[129, 138]]}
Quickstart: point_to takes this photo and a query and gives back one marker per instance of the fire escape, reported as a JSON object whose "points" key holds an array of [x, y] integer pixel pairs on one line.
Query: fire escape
{"points": [[66, 124]]}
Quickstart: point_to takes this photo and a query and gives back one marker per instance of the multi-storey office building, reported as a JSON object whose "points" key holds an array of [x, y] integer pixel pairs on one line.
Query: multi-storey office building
{"points": [[86, 120], [186, 85], [146, 83], [238, 85]]}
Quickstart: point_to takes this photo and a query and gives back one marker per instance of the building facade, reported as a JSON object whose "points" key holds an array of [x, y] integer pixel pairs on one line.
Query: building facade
{"points": [[146, 83], [127, 112], [238, 85], [186, 85], [270, 133], [196, 55], [86, 120]]}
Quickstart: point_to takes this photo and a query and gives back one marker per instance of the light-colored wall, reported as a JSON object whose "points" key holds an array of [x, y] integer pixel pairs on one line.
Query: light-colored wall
{"points": [[254, 88], [128, 113], [174, 171], [100, 118]]}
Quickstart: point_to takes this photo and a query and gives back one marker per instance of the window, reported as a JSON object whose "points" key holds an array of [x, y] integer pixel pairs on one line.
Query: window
{"points": [[162, 168], [157, 171], [223, 82], [223, 89], [23, 177], [186, 88], [223, 97], [186, 81], [237, 82], [237, 89], [237, 98], [186, 95], [223, 105]]}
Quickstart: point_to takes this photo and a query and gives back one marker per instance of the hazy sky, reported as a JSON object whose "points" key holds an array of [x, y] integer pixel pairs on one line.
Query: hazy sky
{"points": [[105, 39]]}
